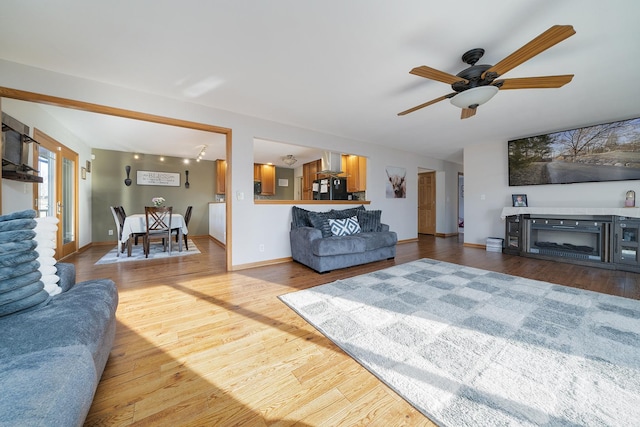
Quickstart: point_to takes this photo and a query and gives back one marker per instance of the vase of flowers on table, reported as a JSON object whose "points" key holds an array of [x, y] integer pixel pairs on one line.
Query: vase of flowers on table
{"points": [[158, 201]]}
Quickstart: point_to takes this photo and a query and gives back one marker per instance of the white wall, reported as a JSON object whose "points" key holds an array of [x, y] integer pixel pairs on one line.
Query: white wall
{"points": [[255, 225], [487, 191]]}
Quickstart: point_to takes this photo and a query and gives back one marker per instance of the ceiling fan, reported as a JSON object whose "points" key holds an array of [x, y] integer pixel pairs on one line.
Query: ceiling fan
{"points": [[477, 84]]}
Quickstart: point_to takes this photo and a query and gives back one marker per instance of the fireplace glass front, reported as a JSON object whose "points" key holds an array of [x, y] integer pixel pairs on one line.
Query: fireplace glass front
{"points": [[574, 239]]}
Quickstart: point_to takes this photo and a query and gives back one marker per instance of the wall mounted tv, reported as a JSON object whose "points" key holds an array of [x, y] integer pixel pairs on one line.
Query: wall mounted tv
{"points": [[605, 152], [14, 149]]}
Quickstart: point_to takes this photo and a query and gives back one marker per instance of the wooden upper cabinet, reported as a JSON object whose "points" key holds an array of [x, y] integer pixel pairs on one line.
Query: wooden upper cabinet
{"points": [[221, 176], [266, 174], [356, 168], [309, 174], [344, 166], [268, 180]]}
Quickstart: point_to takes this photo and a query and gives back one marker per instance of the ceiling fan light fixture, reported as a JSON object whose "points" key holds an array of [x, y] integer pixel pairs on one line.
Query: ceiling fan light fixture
{"points": [[473, 97]]}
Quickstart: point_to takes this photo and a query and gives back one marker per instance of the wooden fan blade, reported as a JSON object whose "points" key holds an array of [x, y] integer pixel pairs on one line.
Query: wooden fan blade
{"points": [[544, 41], [433, 74], [545, 82], [426, 104], [468, 112]]}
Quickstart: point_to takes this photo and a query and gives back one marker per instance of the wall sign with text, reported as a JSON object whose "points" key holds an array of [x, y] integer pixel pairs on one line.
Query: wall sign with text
{"points": [[166, 179]]}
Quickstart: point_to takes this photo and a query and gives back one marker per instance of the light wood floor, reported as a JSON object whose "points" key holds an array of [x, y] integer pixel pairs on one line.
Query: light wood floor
{"points": [[198, 346]]}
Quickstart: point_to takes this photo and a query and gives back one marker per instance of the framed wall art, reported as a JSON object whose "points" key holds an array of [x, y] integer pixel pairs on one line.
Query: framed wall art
{"points": [[165, 179], [519, 200], [396, 182]]}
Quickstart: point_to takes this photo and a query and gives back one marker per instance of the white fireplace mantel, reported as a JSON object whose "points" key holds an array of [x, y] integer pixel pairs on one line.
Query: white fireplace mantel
{"points": [[627, 212]]}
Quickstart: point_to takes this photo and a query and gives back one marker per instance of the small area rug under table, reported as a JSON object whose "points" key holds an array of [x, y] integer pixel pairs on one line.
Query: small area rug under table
{"points": [[469, 347], [155, 252]]}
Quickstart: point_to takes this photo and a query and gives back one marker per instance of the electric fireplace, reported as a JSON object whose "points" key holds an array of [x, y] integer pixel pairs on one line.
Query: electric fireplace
{"points": [[586, 239]]}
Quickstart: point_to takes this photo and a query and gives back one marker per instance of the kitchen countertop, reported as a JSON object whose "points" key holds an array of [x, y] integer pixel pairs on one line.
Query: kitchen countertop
{"points": [[311, 202]]}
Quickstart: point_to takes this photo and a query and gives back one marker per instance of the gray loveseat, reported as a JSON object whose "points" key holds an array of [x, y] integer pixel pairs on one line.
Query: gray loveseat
{"points": [[53, 349], [315, 244]]}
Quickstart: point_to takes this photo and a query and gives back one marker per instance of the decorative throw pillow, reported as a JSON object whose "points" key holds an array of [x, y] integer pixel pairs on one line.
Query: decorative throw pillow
{"points": [[16, 236], [16, 282], [18, 270], [17, 224], [14, 247], [344, 226], [23, 298], [369, 220], [345, 213], [20, 284], [29, 214], [45, 230], [300, 218], [15, 258], [320, 221]]}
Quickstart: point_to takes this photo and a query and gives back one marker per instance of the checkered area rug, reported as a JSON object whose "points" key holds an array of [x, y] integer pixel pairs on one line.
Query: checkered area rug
{"points": [[469, 347], [156, 252]]}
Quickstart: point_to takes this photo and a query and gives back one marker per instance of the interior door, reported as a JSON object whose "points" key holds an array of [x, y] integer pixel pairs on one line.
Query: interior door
{"points": [[427, 203], [460, 202], [57, 195]]}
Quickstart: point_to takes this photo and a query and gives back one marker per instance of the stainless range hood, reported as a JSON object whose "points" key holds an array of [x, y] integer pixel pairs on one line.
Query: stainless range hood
{"points": [[331, 163]]}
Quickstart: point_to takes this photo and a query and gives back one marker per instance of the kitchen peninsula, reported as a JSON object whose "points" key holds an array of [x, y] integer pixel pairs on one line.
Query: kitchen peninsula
{"points": [[217, 222]]}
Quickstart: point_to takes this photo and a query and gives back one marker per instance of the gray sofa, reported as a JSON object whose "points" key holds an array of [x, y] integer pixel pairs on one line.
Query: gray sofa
{"points": [[53, 349], [315, 245], [52, 357]]}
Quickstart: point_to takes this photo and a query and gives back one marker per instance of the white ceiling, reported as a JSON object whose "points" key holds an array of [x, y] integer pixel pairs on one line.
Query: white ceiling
{"points": [[336, 66]]}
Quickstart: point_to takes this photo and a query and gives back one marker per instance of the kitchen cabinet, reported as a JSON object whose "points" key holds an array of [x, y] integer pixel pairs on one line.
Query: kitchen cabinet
{"points": [[356, 168], [513, 235], [221, 176], [344, 166], [266, 174], [309, 174], [268, 180], [627, 241]]}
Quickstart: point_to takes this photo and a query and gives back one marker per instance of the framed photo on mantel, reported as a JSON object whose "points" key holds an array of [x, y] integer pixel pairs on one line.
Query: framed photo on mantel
{"points": [[519, 200]]}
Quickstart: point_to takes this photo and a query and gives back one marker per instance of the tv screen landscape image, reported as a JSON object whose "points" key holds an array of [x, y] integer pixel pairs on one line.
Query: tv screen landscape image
{"points": [[605, 152]]}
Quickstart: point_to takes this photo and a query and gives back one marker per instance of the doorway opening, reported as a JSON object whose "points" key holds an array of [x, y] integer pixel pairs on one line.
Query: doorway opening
{"points": [[57, 195], [118, 112]]}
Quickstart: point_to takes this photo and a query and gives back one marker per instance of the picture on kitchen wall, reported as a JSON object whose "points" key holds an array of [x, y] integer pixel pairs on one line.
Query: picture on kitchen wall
{"points": [[396, 182]]}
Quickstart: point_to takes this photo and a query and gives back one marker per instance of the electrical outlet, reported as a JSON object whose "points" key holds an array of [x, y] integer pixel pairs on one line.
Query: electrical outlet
{"points": [[261, 247], [110, 232]]}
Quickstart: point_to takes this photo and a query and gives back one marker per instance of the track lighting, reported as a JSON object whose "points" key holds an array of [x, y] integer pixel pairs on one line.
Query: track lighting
{"points": [[203, 151]]}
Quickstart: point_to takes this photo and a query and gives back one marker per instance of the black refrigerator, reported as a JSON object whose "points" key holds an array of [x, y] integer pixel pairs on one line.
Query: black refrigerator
{"points": [[330, 189]]}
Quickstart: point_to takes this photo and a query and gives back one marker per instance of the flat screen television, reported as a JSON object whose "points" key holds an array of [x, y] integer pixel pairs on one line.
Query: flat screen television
{"points": [[12, 147], [604, 152]]}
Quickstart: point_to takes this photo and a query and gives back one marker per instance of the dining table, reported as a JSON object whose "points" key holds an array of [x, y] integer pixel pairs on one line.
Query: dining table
{"points": [[136, 224]]}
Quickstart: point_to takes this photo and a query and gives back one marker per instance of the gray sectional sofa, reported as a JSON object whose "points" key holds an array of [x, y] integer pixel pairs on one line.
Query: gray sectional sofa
{"points": [[315, 244], [52, 357], [53, 349]]}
